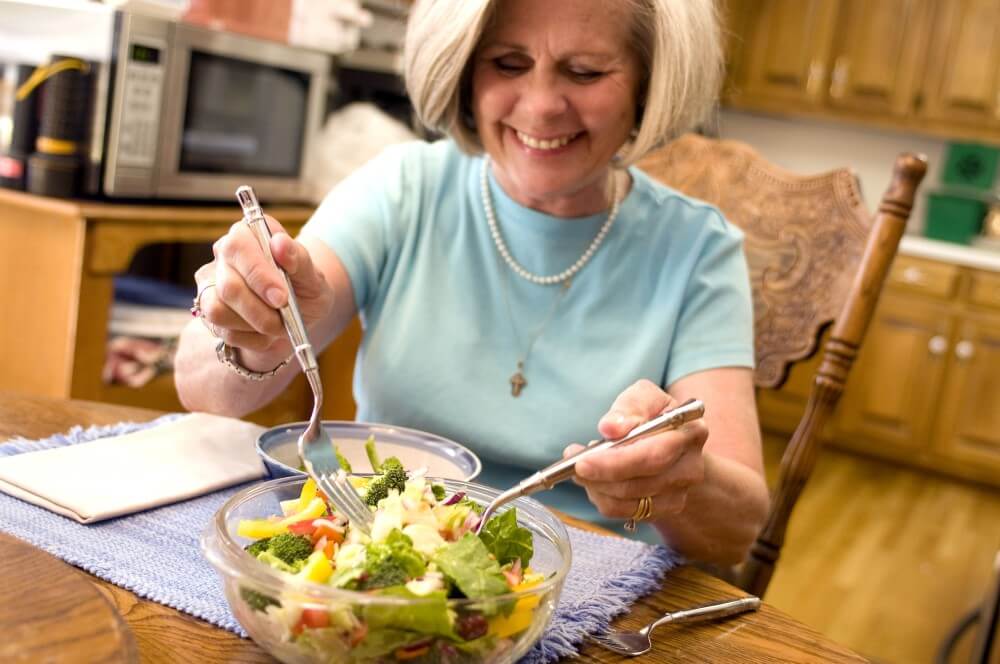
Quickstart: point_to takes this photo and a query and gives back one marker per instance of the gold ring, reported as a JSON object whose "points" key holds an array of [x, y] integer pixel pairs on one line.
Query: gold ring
{"points": [[643, 510]]}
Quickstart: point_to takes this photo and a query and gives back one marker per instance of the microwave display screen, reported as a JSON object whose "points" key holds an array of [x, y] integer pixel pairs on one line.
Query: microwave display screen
{"points": [[146, 54], [243, 117]]}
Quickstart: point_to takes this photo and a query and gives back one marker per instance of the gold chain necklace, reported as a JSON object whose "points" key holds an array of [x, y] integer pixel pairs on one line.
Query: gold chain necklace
{"points": [[517, 380], [564, 279]]}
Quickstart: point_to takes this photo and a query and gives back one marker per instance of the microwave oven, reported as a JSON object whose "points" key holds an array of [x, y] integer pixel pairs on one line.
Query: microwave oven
{"points": [[179, 111]]}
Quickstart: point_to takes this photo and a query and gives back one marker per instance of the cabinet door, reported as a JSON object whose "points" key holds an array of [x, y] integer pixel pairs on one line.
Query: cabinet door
{"points": [[781, 410], [877, 52], [969, 424], [890, 398], [963, 77], [737, 19], [789, 49]]}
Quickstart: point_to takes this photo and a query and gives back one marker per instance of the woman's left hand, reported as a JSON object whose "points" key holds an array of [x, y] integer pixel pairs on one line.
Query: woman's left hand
{"points": [[663, 467]]}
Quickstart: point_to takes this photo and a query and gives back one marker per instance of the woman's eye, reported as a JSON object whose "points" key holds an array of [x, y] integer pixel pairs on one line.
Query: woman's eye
{"points": [[509, 66], [585, 75]]}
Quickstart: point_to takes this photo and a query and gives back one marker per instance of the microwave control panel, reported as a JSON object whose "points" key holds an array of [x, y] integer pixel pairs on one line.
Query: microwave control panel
{"points": [[141, 103], [135, 105]]}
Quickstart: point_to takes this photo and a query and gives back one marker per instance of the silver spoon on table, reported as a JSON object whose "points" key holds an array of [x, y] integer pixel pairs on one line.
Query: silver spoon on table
{"points": [[639, 642]]}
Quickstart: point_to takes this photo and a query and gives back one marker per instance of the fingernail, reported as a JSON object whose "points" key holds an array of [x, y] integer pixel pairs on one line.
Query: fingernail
{"points": [[615, 419], [275, 297]]}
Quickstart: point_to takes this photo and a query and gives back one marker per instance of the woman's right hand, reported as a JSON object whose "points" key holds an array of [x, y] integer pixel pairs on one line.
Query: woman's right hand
{"points": [[241, 292]]}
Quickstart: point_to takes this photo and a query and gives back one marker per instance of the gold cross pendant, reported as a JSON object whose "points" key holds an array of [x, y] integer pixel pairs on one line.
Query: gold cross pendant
{"points": [[517, 381]]}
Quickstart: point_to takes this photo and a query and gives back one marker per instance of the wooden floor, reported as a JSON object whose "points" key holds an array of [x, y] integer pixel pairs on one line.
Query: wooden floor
{"points": [[882, 559]]}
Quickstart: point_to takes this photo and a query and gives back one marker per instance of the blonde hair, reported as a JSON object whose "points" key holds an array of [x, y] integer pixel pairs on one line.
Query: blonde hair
{"points": [[678, 43]]}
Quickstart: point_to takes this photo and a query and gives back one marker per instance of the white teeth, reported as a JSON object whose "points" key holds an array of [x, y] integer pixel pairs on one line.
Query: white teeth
{"points": [[544, 144]]}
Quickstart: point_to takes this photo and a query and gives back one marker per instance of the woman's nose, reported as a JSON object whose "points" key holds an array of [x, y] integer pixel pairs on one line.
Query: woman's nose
{"points": [[542, 96]]}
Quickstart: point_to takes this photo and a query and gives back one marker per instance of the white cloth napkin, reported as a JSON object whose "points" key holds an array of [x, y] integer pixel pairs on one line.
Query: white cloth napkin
{"points": [[190, 456]]}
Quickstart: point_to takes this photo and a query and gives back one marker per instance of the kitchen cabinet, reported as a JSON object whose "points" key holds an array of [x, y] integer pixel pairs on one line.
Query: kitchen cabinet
{"points": [[781, 410], [968, 431], [788, 49], [891, 396], [59, 299], [877, 53], [963, 73], [930, 66], [925, 389]]}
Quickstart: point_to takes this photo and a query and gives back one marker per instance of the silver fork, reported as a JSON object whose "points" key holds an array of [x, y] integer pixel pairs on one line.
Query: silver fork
{"points": [[562, 470], [635, 643], [332, 481]]}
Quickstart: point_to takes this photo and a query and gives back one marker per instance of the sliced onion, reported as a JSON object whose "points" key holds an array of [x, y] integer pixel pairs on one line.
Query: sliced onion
{"points": [[455, 497], [471, 522]]}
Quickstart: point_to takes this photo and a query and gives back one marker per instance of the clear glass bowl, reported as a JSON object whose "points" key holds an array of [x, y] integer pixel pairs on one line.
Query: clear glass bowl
{"points": [[354, 634]]}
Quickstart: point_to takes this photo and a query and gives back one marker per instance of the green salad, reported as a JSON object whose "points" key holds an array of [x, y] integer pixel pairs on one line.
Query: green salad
{"points": [[424, 545]]}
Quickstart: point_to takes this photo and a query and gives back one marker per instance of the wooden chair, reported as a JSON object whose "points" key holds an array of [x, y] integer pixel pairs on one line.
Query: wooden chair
{"points": [[816, 257]]}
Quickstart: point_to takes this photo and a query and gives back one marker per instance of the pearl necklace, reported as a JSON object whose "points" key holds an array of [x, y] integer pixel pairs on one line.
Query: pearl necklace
{"points": [[517, 267]]}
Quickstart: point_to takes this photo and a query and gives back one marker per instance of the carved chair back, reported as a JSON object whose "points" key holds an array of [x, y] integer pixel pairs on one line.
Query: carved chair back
{"points": [[816, 257]]}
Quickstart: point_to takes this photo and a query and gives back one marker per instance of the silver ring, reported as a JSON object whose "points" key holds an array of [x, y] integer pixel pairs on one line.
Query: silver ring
{"points": [[198, 313], [196, 302]]}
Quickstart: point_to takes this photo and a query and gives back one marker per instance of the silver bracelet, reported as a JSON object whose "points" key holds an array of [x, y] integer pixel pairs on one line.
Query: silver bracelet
{"points": [[227, 356]]}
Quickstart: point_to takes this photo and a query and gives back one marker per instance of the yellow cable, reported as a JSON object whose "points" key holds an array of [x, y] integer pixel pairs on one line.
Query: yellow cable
{"points": [[43, 72]]}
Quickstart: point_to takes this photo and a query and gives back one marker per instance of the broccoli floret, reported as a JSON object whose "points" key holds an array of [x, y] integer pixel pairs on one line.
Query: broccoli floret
{"points": [[383, 576], [438, 491], [391, 562], [258, 547], [286, 547], [392, 476], [290, 548], [257, 601]]}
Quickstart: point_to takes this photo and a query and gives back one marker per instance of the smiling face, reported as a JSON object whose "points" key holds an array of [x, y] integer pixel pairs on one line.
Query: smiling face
{"points": [[554, 89]]}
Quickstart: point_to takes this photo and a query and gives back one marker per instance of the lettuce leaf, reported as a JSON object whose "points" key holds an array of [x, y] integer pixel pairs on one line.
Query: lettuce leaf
{"points": [[372, 454], [506, 540], [428, 617], [380, 642], [468, 564], [341, 459]]}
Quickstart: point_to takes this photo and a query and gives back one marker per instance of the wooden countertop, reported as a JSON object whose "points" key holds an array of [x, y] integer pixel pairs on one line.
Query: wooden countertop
{"points": [[950, 252], [148, 212]]}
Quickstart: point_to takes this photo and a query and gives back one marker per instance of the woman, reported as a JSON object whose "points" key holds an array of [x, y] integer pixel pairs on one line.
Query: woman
{"points": [[517, 300]]}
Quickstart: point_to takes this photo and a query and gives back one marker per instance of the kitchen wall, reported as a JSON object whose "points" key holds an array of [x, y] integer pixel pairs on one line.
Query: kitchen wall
{"points": [[811, 146]]}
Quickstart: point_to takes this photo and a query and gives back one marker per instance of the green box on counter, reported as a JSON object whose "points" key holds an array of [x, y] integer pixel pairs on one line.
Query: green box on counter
{"points": [[970, 165], [954, 217]]}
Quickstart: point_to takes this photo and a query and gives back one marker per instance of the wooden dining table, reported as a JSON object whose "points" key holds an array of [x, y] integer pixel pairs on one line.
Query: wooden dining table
{"points": [[74, 616]]}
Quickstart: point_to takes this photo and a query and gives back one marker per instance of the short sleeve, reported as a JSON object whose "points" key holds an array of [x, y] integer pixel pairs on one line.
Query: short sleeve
{"points": [[715, 328], [363, 219]]}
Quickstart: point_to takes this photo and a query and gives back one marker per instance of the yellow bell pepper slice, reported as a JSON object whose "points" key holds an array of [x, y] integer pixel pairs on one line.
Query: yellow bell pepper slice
{"points": [[531, 601], [260, 528], [517, 621], [317, 568], [309, 492], [524, 610]]}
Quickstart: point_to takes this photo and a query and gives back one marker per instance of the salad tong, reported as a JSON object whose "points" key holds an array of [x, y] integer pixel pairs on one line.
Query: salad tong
{"points": [[564, 468], [314, 438]]}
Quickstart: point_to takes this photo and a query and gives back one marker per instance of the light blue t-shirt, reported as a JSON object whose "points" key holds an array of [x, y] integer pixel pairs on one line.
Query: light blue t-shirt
{"points": [[446, 320]]}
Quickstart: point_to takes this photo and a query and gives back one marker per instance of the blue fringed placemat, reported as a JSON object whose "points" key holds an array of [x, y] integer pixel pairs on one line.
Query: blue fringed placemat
{"points": [[155, 554]]}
